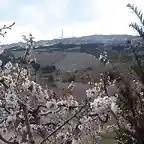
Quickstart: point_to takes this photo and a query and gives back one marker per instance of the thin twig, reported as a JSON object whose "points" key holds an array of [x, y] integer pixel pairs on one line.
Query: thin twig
{"points": [[6, 141], [63, 124]]}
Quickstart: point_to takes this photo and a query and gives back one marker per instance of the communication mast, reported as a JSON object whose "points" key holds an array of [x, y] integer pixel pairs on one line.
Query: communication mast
{"points": [[72, 34], [61, 36]]}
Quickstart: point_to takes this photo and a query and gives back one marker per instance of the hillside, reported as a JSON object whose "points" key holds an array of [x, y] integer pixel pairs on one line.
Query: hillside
{"points": [[63, 60], [74, 53], [80, 40]]}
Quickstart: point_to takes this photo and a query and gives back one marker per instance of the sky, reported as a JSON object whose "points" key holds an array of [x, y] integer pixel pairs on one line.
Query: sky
{"points": [[46, 19]]}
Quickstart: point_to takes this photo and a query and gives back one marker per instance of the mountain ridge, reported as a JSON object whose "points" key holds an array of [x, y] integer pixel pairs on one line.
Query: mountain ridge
{"points": [[118, 38]]}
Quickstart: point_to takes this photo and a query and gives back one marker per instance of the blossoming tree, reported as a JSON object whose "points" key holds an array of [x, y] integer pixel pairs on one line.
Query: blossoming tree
{"points": [[31, 114]]}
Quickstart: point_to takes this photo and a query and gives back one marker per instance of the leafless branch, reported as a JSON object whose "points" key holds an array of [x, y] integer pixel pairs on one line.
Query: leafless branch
{"points": [[4, 28]]}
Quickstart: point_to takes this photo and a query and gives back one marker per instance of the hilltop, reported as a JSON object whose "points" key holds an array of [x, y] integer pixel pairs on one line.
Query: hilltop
{"points": [[105, 39]]}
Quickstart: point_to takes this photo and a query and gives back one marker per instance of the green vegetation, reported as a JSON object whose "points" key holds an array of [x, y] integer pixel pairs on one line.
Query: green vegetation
{"points": [[107, 141]]}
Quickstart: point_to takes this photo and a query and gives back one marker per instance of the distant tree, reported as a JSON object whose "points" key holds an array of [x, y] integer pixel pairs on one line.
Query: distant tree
{"points": [[50, 78], [89, 68], [48, 69], [36, 66], [76, 71], [7, 56], [71, 78]]}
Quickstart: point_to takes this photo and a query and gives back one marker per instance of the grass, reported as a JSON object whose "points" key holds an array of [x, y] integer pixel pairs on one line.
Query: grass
{"points": [[107, 141]]}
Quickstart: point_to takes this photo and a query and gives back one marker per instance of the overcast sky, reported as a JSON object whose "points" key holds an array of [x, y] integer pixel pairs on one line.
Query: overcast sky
{"points": [[45, 19]]}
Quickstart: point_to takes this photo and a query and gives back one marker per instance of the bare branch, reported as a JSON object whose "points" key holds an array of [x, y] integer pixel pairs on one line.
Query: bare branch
{"points": [[5, 28]]}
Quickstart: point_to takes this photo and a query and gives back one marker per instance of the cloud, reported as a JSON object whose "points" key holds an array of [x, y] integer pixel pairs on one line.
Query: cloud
{"points": [[46, 18], [81, 11], [4, 3]]}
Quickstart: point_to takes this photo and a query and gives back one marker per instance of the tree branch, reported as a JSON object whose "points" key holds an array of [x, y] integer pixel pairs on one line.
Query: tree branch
{"points": [[25, 110], [6, 141], [63, 124]]}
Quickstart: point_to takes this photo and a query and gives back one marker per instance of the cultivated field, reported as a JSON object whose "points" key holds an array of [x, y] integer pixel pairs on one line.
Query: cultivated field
{"points": [[63, 60]]}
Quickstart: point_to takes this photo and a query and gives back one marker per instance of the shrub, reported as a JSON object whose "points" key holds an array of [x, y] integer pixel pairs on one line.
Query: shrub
{"points": [[48, 69], [50, 78], [71, 78]]}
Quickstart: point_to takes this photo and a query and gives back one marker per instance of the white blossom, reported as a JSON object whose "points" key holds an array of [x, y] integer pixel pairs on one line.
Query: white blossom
{"points": [[114, 107], [80, 127], [0, 62], [22, 98], [8, 65]]}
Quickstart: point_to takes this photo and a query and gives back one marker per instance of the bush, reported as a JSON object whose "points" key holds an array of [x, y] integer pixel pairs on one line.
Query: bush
{"points": [[48, 69], [50, 78], [71, 78], [36, 66]]}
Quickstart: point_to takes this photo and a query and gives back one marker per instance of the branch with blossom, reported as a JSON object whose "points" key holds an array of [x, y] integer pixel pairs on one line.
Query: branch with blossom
{"points": [[29, 111]]}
